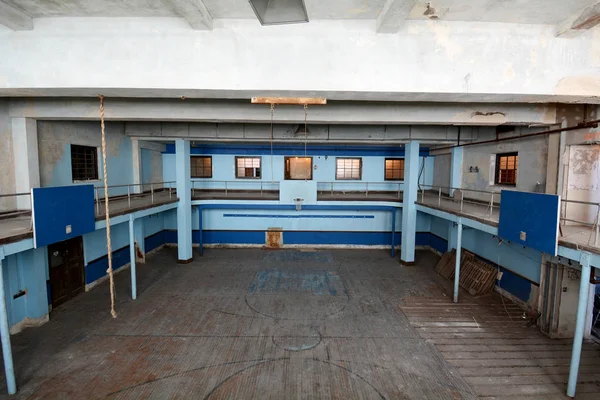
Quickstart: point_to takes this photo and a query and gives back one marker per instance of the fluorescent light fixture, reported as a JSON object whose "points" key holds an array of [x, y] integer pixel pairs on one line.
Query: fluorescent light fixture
{"points": [[275, 12]]}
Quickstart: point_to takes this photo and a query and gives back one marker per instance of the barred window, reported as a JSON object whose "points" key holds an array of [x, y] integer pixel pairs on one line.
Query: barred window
{"points": [[348, 168], [201, 167], [394, 169], [247, 167], [506, 168], [84, 163]]}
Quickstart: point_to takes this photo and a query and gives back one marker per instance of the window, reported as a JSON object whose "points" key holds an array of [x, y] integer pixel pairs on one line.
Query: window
{"points": [[348, 168], [298, 168], [506, 168], [84, 163], [247, 167], [394, 169], [201, 167]]}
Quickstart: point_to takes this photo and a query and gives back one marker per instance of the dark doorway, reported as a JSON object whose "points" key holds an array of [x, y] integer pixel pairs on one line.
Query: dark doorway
{"points": [[67, 279]]}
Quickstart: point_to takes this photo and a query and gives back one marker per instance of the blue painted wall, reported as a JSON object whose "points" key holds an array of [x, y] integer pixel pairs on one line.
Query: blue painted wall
{"points": [[521, 265], [26, 271], [324, 164], [95, 249], [54, 145]]}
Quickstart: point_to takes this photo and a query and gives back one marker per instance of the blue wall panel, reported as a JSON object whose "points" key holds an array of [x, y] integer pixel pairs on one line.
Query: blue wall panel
{"points": [[154, 241], [298, 150], [299, 237], [97, 269], [535, 215], [56, 207]]}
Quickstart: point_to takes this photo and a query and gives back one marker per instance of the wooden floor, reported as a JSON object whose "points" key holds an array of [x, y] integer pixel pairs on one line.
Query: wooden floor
{"points": [[494, 348], [291, 324]]}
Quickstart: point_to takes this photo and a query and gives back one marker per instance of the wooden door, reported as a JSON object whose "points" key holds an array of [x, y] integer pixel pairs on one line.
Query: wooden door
{"points": [[66, 270]]}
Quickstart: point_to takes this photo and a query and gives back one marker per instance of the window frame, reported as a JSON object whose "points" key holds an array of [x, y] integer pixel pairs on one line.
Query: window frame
{"points": [[402, 159], [235, 165], [285, 168], [192, 169], [360, 165], [499, 156], [96, 161]]}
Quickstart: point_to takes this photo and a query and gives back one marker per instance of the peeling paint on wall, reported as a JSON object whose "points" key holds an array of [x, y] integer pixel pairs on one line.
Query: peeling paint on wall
{"points": [[55, 138], [585, 85], [585, 168]]}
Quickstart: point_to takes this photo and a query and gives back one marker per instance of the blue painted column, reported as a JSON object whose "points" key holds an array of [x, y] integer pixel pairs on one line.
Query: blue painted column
{"points": [[451, 235], [132, 257], [457, 261], [409, 211], [584, 287], [200, 238], [456, 169], [184, 207], [393, 232], [5, 334]]}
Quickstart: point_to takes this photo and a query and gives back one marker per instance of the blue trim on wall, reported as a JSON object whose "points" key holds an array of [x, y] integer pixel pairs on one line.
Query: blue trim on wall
{"points": [[97, 269], [154, 241], [298, 216], [297, 150], [438, 243], [299, 237], [515, 284]]}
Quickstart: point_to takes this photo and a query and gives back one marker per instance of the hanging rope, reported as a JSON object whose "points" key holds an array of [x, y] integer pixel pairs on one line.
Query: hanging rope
{"points": [[272, 115], [305, 127], [106, 211]]}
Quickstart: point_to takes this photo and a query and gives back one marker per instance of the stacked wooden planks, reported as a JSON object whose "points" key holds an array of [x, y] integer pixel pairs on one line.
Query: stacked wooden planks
{"points": [[476, 276]]}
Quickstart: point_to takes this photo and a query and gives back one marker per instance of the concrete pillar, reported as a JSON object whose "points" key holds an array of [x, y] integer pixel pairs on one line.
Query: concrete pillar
{"points": [[136, 155], [184, 207], [451, 236], [409, 211], [132, 258], [580, 324], [140, 239], [5, 334], [457, 260], [26, 160], [456, 168]]}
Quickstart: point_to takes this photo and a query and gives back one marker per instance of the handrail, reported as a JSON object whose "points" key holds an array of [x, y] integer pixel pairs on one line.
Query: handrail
{"points": [[595, 224], [368, 186], [15, 194], [261, 185], [98, 200], [489, 205]]}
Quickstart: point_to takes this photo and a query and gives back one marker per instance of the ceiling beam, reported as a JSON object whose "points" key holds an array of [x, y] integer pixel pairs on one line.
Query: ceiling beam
{"points": [[393, 14], [346, 113], [194, 12], [14, 19], [580, 22]]}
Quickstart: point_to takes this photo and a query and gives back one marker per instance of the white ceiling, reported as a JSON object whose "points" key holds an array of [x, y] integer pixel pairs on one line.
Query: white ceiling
{"points": [[512, 11]]}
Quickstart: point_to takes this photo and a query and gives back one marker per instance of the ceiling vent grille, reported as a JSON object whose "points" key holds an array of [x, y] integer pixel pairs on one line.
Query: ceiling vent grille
{"points": [[276, 12]]}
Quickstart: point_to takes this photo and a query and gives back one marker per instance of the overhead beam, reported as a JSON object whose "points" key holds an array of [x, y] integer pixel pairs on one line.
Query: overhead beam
{"points": [[580, 22], [15, 19], [347, 113], [289, 100], [194, 12], [393, 14]]}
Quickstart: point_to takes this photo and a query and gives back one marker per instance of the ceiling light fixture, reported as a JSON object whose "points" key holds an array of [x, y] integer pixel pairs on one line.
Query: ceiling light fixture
{"points": [[277, 12]]}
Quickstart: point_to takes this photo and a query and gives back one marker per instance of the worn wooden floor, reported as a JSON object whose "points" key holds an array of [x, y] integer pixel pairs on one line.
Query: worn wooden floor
{"points": [[257, 324], [496, 350]]}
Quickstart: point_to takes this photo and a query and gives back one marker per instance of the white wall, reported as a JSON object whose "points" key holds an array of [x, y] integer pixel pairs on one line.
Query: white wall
{"points": [[583, 182], [7, 177], [342, 59]]}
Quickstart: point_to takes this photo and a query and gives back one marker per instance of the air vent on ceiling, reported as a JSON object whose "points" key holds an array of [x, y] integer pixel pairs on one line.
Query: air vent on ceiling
{"points": [[275, 12]]}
